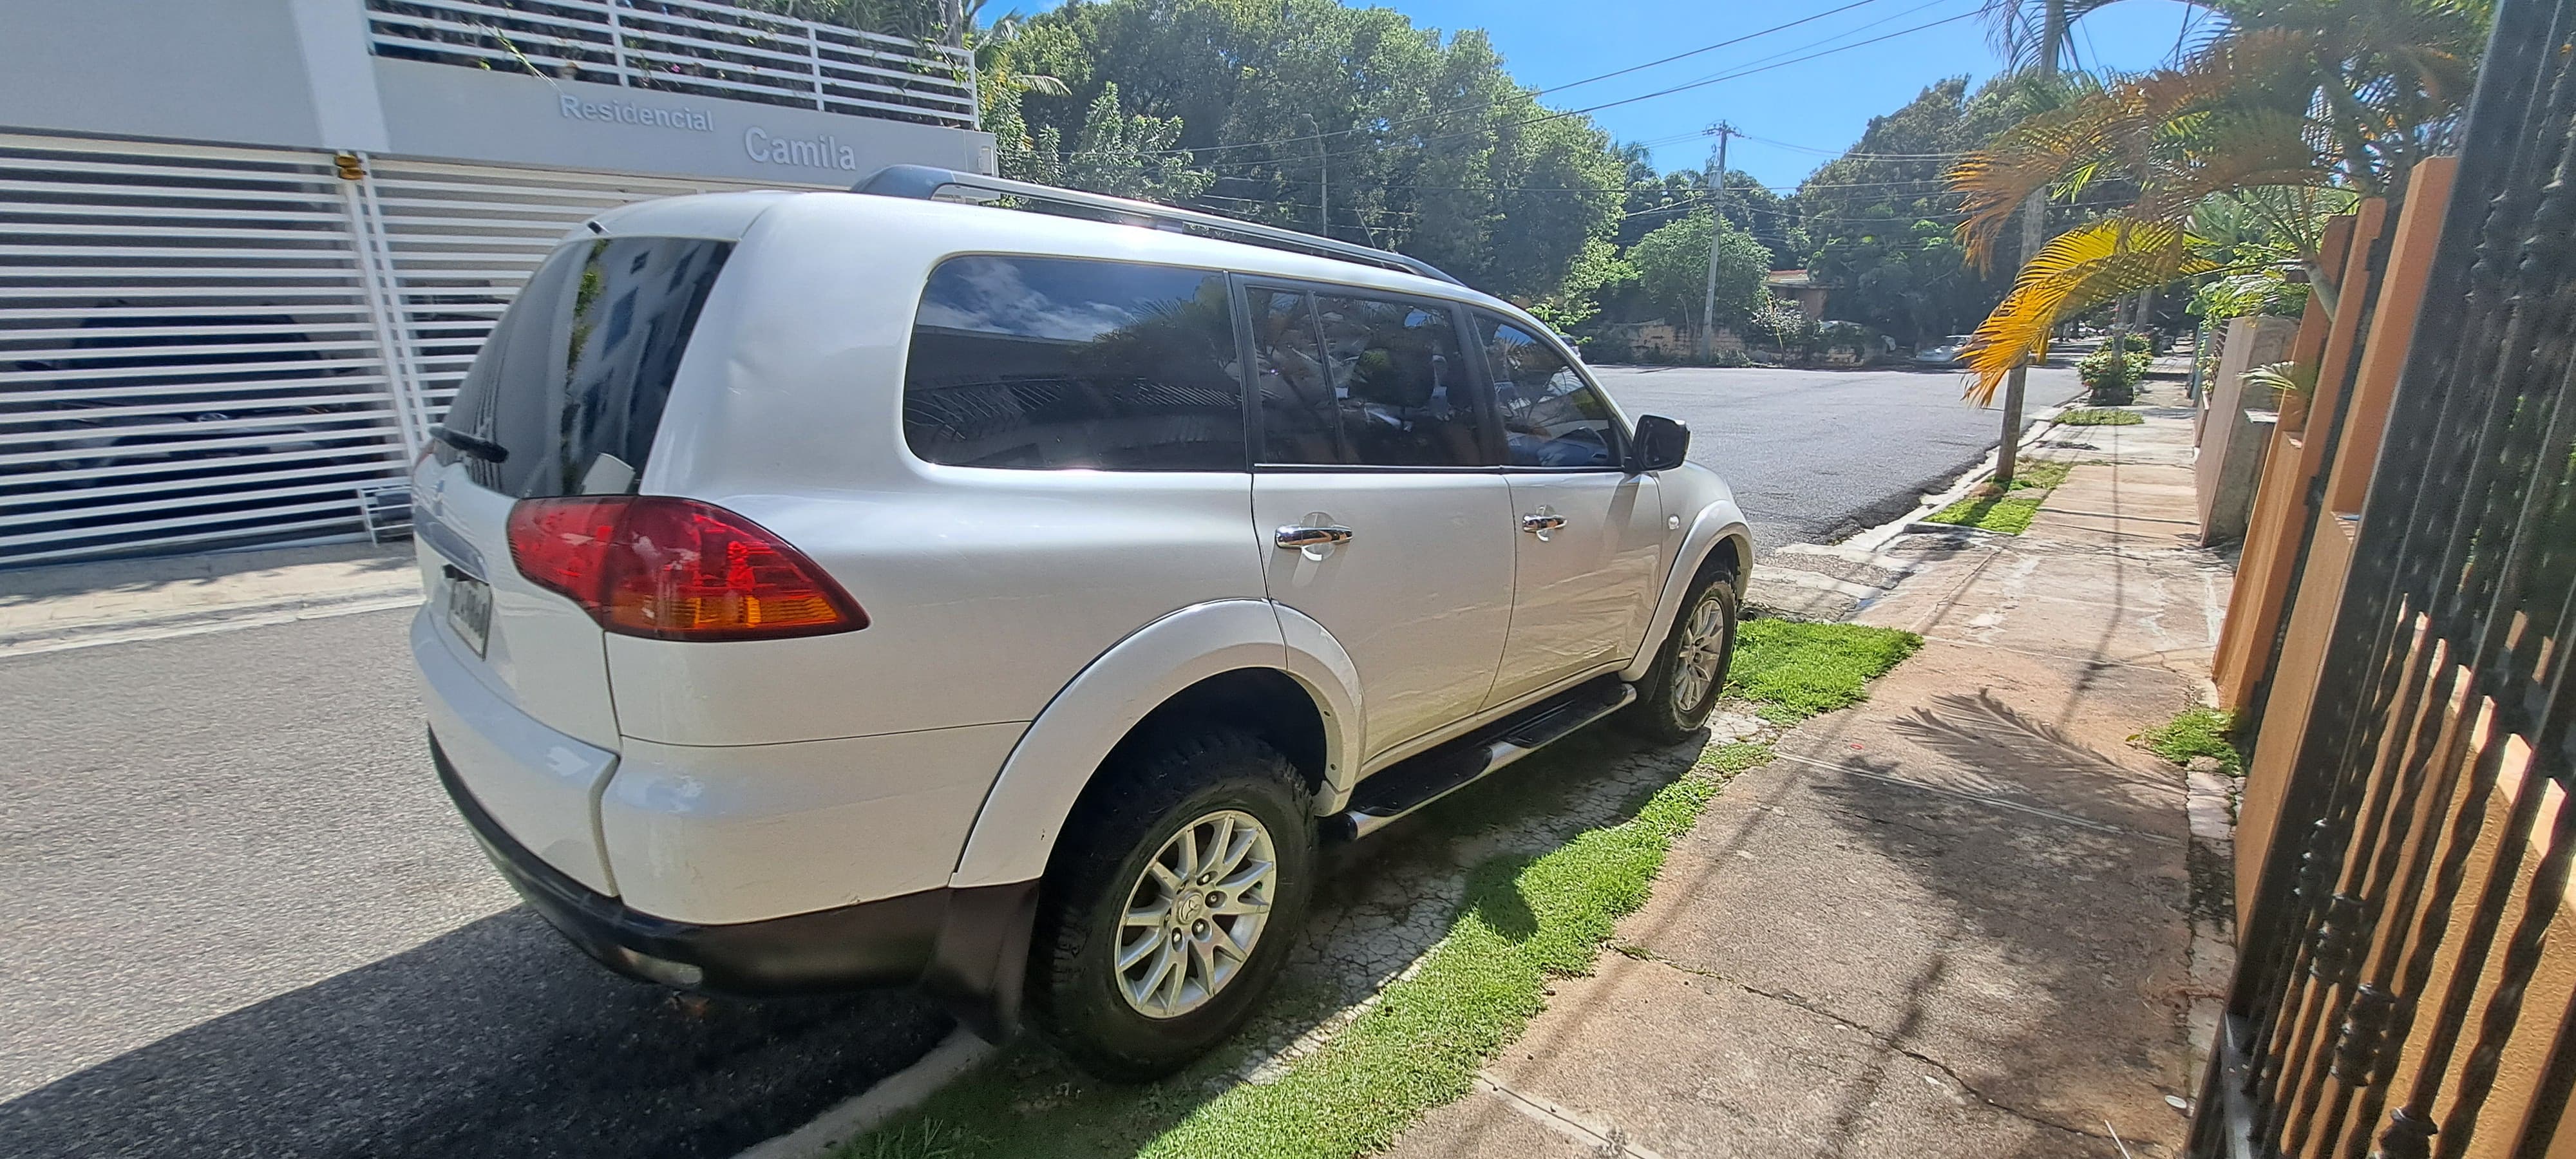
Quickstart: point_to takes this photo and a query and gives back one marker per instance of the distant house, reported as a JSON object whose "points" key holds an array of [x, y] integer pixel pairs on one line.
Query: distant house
{"points": [[1800, 286]]}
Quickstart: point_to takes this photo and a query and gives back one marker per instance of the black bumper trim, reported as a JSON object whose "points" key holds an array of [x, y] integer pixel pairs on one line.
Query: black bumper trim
{"points": [[969, 946]]}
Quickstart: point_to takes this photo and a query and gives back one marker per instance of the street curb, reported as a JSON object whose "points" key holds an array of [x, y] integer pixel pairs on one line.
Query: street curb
{"points": [[1912, 521], [893, 1095], [201, 621]]}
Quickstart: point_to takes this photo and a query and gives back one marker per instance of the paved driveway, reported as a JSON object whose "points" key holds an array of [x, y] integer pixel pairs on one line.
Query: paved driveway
{"points": [[1817, 454]]}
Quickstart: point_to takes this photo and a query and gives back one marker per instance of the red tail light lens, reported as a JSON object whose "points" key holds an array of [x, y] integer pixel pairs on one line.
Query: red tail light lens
{"points": [[676, 569]]}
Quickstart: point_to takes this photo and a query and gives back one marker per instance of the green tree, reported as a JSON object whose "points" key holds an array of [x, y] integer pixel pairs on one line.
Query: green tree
{"points": [[1348, 122], [1881, 216], [1672, 272]]}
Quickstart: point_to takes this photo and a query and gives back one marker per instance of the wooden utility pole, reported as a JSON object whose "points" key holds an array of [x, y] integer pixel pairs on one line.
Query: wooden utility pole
{"points": [[1717, 230]]}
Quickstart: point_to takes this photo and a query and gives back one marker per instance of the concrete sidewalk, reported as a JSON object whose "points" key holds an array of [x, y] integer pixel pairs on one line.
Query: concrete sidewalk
{"points": [[79, 605], [1956, 920]]}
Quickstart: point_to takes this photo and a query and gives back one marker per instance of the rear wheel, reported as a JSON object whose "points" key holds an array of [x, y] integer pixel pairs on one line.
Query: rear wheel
{"points": [[1689, 672], [1170, 905]]}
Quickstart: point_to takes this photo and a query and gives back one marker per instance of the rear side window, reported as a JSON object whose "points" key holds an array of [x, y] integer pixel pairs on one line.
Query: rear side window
{"points": [[569, 388], [1061, 362]]}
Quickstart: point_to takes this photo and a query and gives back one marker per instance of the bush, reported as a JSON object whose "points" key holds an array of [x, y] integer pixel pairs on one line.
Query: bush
{"points": [[2112, 378], [2138, 343]]}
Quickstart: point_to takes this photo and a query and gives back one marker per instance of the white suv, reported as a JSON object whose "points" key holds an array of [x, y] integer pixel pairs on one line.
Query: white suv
{"points": [[831, 589]]}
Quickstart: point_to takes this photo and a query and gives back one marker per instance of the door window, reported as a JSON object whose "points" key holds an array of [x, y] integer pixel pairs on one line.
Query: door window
{"points": [[1362, 381], [1059, 363], [1550, 416]]}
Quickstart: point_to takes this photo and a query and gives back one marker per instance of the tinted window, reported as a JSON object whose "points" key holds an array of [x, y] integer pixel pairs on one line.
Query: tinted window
{"points": [[1550, 416], [1057, 362], [1365, 381], [569, 388]]}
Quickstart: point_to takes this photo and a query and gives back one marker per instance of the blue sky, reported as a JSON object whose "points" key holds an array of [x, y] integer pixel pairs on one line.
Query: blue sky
{"points": [[1797, 115]]}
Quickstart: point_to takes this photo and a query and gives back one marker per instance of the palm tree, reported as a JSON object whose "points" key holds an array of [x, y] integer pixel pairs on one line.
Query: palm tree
{"points": [[2299, 96]]}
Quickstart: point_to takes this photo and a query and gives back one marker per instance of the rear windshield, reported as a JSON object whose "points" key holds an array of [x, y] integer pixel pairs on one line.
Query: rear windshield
{"points": [[568, 390]]}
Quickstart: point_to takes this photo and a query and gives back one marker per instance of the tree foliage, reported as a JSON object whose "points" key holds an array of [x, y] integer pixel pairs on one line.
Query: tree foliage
{"points": [[1881, 215], [2290, 95], [1672, 272], [1310, 115]]}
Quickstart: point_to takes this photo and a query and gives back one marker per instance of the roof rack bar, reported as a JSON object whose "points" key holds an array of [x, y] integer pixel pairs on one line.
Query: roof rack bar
{"points": [[927, 182]]}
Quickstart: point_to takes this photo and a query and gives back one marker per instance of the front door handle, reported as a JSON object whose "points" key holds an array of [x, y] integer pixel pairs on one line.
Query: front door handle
{"points": [[1541, 521], [1298, 538]]}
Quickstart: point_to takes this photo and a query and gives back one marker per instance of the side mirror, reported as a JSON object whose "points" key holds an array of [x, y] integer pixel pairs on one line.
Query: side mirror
{"points": [[1659, 444]]}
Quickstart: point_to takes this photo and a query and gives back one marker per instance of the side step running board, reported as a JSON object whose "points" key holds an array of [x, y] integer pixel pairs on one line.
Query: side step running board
{"points": [[1396, 792]]}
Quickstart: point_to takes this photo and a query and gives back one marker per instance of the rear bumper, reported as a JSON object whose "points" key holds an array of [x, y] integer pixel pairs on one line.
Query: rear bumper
{"points": [[966, 945]]}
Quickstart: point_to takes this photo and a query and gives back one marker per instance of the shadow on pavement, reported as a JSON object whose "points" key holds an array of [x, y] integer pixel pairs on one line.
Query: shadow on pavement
{"points": [[496, 1039]]}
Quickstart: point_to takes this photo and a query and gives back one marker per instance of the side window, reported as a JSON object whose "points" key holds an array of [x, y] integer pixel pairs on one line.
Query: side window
{"points": [[1382, 384], [1062, 362], [1298, 407], [1551, 417]]}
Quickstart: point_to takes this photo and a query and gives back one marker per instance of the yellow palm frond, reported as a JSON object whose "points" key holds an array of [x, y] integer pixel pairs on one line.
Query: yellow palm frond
{"points": [[2135, 127], [2076, 270]]}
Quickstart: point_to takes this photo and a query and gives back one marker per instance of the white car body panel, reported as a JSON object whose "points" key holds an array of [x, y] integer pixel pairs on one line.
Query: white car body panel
{"points": [[1056, 758], [536, 781], [1581, 595], [1421, 596], [1693, 489], [738, 833]]}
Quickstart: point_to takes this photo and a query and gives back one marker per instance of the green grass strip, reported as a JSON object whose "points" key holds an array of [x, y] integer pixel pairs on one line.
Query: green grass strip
{"points": [[1793, 670], [2197, 732], [2101, 417], [2009, 513], [2007, 516]]}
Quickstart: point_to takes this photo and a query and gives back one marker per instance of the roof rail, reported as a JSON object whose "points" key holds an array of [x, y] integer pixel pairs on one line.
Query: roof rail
{"points": [[929, 182]]}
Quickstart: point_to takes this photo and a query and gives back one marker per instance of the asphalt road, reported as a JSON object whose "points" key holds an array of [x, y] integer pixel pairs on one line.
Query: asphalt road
{"points": [[1814, 456], [239, 918]]}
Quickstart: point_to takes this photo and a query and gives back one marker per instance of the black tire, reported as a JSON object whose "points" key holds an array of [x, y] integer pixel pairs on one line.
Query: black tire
{"points": [[1152, 789], [1658, 714]]}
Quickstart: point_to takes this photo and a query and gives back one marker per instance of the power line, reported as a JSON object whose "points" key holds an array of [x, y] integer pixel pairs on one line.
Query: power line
{"points": [[1558, 114]]}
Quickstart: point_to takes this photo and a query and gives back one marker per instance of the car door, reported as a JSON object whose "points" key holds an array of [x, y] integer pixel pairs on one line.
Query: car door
{"points": [[1376, 497], [1591, 536]]}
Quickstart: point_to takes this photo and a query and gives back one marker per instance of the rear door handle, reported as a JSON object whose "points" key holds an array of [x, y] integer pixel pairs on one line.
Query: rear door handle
{"points": [[1541, 521], [1296, 538]]}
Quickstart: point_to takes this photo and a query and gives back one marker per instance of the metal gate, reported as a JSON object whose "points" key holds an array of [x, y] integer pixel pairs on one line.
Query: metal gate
{"points": [[207, 347], [2407, 985]]}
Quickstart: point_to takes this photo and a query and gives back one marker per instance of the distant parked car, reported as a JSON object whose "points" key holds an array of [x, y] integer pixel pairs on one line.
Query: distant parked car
{"points": [[1948, 352]]}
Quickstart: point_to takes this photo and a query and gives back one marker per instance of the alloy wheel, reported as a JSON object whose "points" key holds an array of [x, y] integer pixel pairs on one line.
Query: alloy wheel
{"points": [[1701, 655], [1195, 914]]}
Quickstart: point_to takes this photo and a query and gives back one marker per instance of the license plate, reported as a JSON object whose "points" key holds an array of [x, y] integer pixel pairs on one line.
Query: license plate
{"points": [[469, 609]]}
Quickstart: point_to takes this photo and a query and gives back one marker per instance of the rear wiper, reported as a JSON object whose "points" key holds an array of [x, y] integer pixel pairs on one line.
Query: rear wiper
{"points": [[484, 449]]}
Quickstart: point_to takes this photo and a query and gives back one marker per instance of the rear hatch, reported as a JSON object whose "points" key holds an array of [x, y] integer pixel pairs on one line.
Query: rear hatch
{"points": [[564, 400]]}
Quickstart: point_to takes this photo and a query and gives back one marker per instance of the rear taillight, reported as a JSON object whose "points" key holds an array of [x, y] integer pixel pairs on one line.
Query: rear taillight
{"points": [[675, 569]]}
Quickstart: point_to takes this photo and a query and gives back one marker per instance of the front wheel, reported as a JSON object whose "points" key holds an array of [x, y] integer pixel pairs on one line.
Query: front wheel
{"points": [[1172, 903], [1675, 698]]}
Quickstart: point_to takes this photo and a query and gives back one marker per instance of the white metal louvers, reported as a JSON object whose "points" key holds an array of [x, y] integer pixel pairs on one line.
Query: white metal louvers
{"points": [[210, 347], [458, 239], [187, 353]]}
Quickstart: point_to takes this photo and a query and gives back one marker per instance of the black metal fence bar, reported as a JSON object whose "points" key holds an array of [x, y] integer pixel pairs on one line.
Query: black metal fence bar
{"points": [[2451, 635]]}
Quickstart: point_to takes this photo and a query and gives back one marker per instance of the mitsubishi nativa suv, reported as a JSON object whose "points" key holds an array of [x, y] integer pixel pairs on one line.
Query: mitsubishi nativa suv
{"points": [[894, 587]]}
